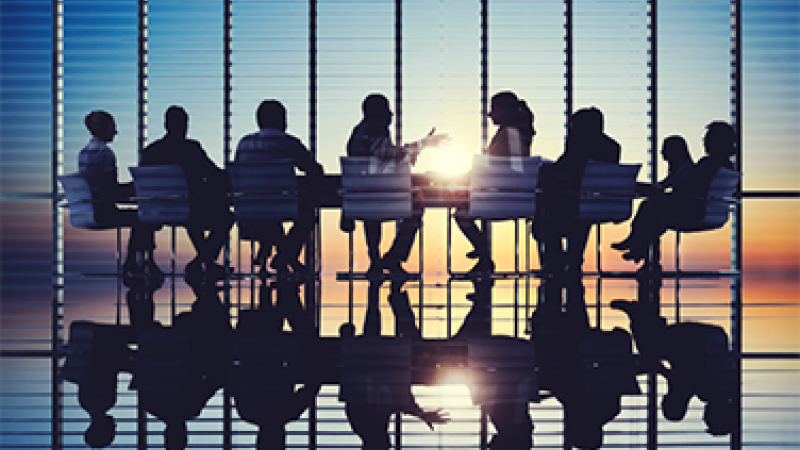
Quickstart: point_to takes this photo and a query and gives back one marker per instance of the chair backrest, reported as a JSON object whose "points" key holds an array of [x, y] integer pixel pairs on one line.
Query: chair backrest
{"points": [[606, 363], [163, 196], [607, 191], [503, 187], [373, 190], [718, 205], [264, 191], [376, 371], [80, 354], [79, 200]]}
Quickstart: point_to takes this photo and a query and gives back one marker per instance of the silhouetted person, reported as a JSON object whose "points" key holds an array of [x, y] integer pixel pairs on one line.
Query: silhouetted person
{"points": [[675, 152], [700, 364], [180, 368], [557, 207], [98, 165], [97, 353], [504, 390], [371, 138], [687, 198], [208, 191], [373, 385], [268, 362], [269, 143], [589, 384], [513, 138]]}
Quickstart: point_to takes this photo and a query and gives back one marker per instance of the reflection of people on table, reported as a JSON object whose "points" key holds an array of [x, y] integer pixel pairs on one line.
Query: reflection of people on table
{"points": [[502, 387], [587, 370], [375, 380], [513, 138], [98, 165], [687, 198], [700, 364], [267, 364], [269, 143], [560, 182], [208, 189], [180, 368], [371, 138], [96, 354]]}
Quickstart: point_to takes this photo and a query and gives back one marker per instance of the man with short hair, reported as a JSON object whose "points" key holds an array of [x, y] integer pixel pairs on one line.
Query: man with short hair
{"points": [[269, 143], [371, 138], [97, 163], [208, 189]]}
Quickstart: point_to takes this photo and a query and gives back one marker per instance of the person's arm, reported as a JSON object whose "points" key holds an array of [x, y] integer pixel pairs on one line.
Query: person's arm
{"points": [[303, 159], [429, 417], [384, 149]]}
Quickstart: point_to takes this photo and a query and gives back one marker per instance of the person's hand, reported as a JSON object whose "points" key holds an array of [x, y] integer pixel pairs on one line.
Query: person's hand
{"points": [[436, 416], [433, 139]]}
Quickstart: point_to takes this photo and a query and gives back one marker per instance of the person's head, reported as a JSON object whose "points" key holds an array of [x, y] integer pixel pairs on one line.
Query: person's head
{"points": [[506, 109], [587, 121], [101, 432], [675, 151], [271, 114], [376, 107], [720, 139], [101, 125], [176, 121]]}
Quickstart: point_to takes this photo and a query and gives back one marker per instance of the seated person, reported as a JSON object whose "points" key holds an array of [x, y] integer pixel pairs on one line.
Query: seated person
{"points": [[269, 143], [558, 204], [208, 190], [513, 138], [687, 198], [98, 165], [700, 364], [371, 138], [675, 152]]}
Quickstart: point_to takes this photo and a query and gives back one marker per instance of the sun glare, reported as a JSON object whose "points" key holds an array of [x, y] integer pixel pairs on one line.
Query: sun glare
{"points": [[448, 161]]}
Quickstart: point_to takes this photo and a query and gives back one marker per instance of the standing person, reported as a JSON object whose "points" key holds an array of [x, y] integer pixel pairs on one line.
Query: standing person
{"points": [[97, 163], [269, 143], [371, 138], [513, 138], [208, 189], [556, 220]]}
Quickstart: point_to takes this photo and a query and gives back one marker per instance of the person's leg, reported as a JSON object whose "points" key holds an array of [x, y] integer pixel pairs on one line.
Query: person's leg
{"points": [[548, 235], [217, 237], [577, 236], [372, 233], [289, 250], [401, 247], [480, 244]]}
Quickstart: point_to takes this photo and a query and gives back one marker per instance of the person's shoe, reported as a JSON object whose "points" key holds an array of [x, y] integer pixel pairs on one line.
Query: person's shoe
{"points": [[482, 267], [624, 244], [473, 254], [633, 256], [629, 307]]}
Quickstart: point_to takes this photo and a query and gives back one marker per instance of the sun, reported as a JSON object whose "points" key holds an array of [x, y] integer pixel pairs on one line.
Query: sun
{"points": [[448, 160]]}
